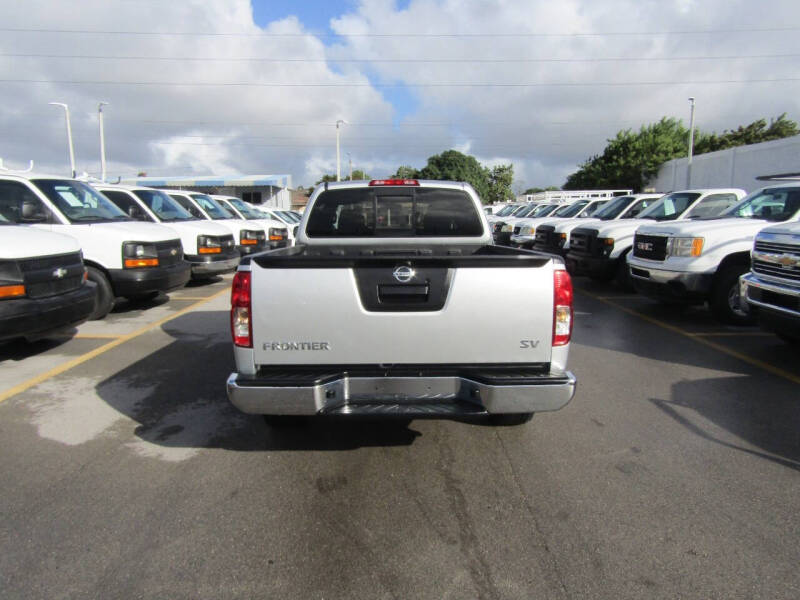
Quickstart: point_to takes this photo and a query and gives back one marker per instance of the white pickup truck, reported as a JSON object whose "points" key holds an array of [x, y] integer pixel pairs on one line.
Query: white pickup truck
{"points": [[600, 250], [772, 287], [700, 261], [377, 305], [554, 237]]}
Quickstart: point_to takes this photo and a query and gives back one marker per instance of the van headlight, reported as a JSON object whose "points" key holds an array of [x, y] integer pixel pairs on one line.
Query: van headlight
{"points": [[685, 246], [507, 227], [139, 254], [207, 244], [250, 237]]}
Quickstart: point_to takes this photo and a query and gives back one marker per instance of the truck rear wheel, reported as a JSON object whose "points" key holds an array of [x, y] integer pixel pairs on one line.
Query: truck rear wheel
{"points": [[510, 419], [104, 300], [725, 302]]}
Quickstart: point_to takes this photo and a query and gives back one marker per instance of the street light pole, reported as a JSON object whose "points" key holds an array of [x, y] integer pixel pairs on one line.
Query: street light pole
{"points": [[102, 142], [350, 162], [69, 135], [338, 159], [691, 144]]}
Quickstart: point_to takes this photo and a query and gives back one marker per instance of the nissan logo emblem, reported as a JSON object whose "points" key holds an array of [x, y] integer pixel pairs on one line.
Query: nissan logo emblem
{"points": [[404, 274]]}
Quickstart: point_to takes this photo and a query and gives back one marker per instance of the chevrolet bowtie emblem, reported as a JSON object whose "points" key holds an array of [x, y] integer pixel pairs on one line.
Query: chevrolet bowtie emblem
{"points": [[59, 273]]}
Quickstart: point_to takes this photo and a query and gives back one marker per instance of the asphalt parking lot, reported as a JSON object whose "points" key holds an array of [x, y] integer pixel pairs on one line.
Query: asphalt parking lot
{"points": [[674, 472]]}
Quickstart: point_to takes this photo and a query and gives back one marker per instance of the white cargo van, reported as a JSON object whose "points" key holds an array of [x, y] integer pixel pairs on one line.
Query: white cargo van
{"points": [[249, 237], [207, 246], [125, 258], [277, 233], [43, 287]]}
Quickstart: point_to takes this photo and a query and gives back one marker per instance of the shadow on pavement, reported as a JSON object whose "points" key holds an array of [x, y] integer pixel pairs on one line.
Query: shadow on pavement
{"points": [[123, 305], [177, 395], [767, 418], [19, 349]]}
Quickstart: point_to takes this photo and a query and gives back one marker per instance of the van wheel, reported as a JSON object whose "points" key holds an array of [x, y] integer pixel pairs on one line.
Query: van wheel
{"points": [[104, 299], [725, 302], [510, 419], [145, 297]]}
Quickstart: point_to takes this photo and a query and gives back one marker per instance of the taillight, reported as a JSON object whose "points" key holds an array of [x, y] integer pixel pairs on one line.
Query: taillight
{"points": [[381, 182], [241, 321], [562, 308]]}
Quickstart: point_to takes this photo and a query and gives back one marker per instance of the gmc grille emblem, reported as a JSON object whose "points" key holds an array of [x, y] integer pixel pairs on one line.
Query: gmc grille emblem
{"points": [[404, 274], [645, 246]]}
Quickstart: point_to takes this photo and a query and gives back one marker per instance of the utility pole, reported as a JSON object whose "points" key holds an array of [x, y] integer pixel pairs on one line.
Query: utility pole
{"points": [[102, 142], [350, 162], [691, 145], [338, 159], [69, 136]]}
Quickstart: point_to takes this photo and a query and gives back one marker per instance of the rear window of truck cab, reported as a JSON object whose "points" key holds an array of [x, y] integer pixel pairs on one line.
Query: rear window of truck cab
{"points": [[394, 212]]}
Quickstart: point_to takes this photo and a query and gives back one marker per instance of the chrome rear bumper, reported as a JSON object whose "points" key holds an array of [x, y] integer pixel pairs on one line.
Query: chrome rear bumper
{"points": [[415, 396]]}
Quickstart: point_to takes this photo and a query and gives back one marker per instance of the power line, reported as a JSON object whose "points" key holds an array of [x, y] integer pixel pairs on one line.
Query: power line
{"points": [[400, 85], [398, 60], [399, 35]]}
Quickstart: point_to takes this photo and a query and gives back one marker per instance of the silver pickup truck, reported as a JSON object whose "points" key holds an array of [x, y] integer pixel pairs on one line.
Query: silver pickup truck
{"points": [[378, 310]]}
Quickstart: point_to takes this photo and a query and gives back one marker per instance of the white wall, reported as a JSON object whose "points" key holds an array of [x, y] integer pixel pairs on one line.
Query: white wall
{"points": [[735, 167]]}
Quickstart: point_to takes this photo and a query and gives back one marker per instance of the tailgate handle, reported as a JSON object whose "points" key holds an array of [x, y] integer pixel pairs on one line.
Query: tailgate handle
{"points": [[403, 293]]}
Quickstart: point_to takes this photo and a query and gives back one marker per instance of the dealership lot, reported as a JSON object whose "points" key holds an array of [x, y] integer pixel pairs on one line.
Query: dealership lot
{"points": [[674, 472]]}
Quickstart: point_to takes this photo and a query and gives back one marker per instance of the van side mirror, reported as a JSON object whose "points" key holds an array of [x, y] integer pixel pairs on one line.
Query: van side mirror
{"points": [[32, 212]]}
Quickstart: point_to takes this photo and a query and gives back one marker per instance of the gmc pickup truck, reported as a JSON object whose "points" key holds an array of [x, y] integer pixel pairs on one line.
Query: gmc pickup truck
{"points": [[691, 262], [378, 306], [772, 287]]}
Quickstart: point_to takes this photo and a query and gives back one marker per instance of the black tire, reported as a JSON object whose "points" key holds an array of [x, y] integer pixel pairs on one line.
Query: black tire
{"points": [[285, 421], [601, 277], [725, 303], [623, 274], [789, 339], [510, 419], [146, 297], [104, 299]]}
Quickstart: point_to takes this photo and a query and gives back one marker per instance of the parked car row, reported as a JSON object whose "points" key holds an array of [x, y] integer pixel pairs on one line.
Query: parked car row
{"points": [[69, 249], [685, 247]]}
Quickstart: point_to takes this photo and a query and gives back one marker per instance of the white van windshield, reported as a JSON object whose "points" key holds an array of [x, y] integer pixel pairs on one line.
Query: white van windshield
{"points": [[79, 202]]}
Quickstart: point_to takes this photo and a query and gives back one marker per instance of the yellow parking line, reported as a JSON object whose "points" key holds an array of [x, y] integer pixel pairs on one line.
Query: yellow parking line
{"points": [[101, 350], [96, 336], [700, 340], [190, 297], [732, 333]]}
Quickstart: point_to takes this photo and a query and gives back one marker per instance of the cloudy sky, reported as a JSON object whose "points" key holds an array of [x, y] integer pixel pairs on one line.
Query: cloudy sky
{"points": [[238, 86]]}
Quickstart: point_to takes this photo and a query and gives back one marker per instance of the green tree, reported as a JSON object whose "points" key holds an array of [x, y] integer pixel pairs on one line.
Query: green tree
{"points": [[405, 172], [326, 177], [452, 165], [500, 179], [631, 158], [358, 174], [754, 133], [535, 190]]}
